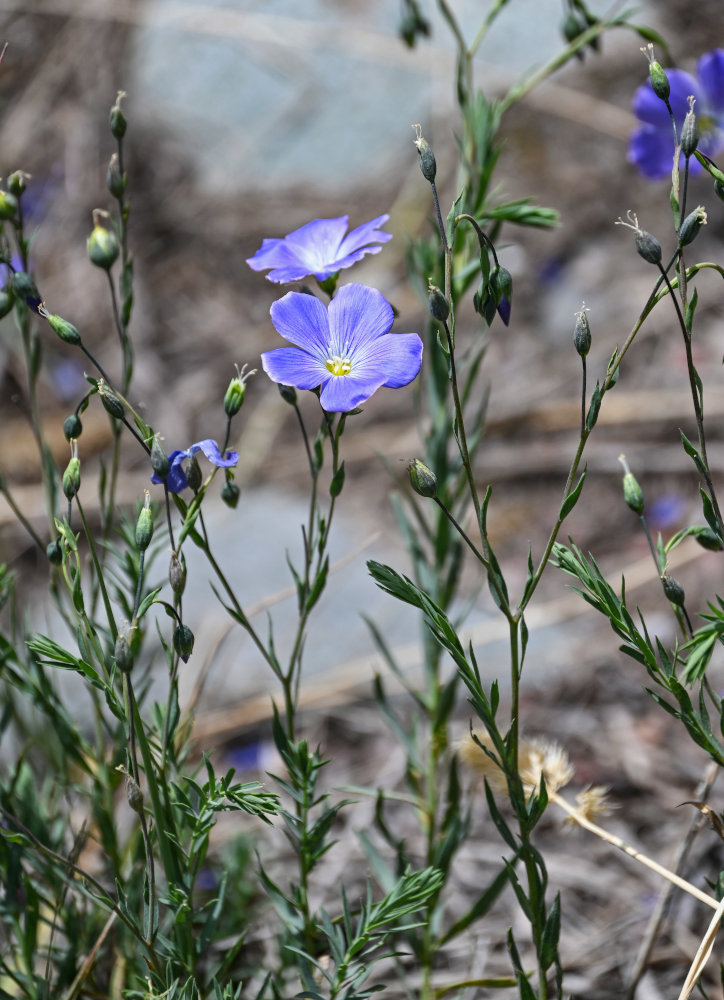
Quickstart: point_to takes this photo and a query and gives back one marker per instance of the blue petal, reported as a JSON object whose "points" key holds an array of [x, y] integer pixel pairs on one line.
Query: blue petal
{"points": [[211, 449], [291, 366], [358, 315], [343, 393], [176, 479], [652, 152], [710, 71], [397, 358], [651, 109], [364, 234], [302, 320]]}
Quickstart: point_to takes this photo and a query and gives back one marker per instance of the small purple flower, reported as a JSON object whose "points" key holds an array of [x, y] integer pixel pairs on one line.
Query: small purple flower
{"points": [[176, 479], [651, 148], [320, 248], [345, 349]]}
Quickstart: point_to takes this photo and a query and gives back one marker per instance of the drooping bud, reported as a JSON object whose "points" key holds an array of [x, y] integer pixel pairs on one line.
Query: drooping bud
{"points": [[582, 332], [193, 474], [102, 244], [183, 642], [707, 538], [501, 282], [110, 401], [438, 304], [659, 79], [17, 182], [54, 552], [8, 205], [134, 795], [72, 427], [689, 131], [144, 524], [427, 157], [117, 119], [288, 393], [672, 589], [689, 229], [632, 492], [177, 574], [25, 288], [71, 476], [159, 458], [230, 493], [122, 652], [422, 479], [65, 330], [114, 178]]}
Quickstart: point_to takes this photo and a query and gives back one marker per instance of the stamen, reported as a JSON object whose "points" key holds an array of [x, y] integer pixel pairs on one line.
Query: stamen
{"points": [[338, 366]]}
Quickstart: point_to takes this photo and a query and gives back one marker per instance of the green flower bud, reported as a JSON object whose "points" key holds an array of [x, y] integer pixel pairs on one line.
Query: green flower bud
{"points": [[159, 458], [719, 190], [144, 524], [673, 590], [122, 653], [427, 157], [72, 427], [110, 401], [54, 552], [7, 299], [17, 182], [177, 574], [183, 641], [193, 474], [71, 476], [117, 119], [659, 80], [689, 229], [438, 304], [632, 492], [134, 795], [582, 332], [102, 244], [230, 493], [689, 131], [707, 538], [65, 330], [234, 396], [288, 394], [8, 205], [24, 287], [422, 479], [571, 27], [114, 178]]}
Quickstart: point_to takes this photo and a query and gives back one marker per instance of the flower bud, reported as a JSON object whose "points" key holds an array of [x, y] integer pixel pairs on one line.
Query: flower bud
{"points": [[632, 492], [144, 524], [230, 493], [114, 178], [689, 131], [134, 795], [102, 244], [54, 552], [72, 427], [427, 157], [659, 80], [8, 205], [7, 299], [707, 538], [71, 477], [689, 229], [177, 574], [183, 641], [65, 330], [234, 396], [422, 479], [501, 283], [110, 401], [24, 288], [719, 190], [193, 473], [288, 393], [122, 653], [582, 332], [673, 590], [17, 182], [159, 458], [438, 304], [648, 247], [117, 119]]}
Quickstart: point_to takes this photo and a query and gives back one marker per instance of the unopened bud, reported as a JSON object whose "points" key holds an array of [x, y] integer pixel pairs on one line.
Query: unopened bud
{"points": [[144, 524], [647, 246], [17, 182], [422, 479], [673, 590], [122, 653], [54, 552], [288, 394], [177, 574], [25, 288], [582, 332], [72, 427], [689, 131], [707, 538], [8, 205], [632, 492], [691, 225], [102, 244], [193, 473], [230, 493], [183, 642], [71, 476], [159, 458], [110, 401], [235, 394], [427, 157], [438, 304], [134, 795], [659, 79], [117, 119], [7, 299], [114, 178], [65, 330]]}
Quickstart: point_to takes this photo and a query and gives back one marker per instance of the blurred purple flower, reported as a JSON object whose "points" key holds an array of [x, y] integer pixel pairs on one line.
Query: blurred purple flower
{"points": [[651, 148], [176, 479], [320, 248], [345, 349]]}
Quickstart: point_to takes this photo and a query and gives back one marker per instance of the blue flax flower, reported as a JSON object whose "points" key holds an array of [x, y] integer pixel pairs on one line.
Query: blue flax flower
{"points": [[346, 350], [320, 248], [651, 148], [176, 479]]}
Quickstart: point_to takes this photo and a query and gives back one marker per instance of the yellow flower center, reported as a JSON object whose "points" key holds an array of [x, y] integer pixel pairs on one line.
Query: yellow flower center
{"points": [[338, 366]]}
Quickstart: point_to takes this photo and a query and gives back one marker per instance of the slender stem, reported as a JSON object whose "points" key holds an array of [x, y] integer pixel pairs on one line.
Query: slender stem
{"points": [[465, 537], [19, 514]]}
